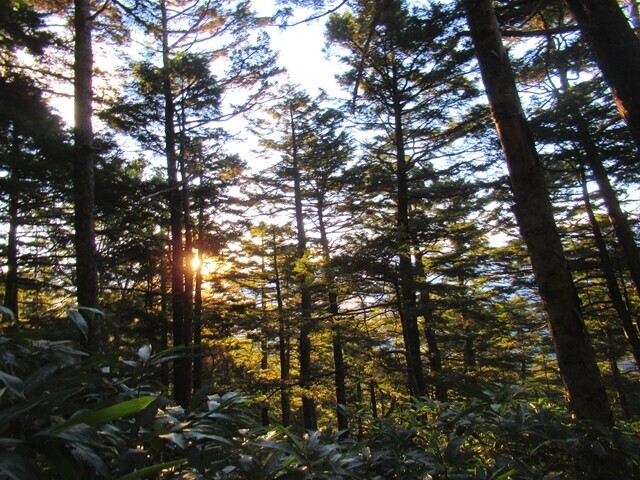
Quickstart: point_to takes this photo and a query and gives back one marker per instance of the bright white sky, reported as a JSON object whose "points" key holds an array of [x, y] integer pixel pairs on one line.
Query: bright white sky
{"points": [[301, 53]]}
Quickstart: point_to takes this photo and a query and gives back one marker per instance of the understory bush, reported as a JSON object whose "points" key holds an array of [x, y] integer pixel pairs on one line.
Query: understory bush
{"points": [[67, 415]]}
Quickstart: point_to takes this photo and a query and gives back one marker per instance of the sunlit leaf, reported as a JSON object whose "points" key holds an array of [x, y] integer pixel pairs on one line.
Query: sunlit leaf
{"points": [[144, 353], [9, 313], [79, 321], [109, 414], [147, 471], [13, 383]]}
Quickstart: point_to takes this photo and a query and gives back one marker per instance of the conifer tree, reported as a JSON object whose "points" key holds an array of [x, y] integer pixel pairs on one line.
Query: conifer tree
{"points": [[533, 212]]}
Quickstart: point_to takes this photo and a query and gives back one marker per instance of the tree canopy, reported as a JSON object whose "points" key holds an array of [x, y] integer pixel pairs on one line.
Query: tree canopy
{"points": [[456, 230]]}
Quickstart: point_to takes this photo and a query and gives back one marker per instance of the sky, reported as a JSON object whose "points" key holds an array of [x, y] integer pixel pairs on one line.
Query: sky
{"points": [[301, 52]]}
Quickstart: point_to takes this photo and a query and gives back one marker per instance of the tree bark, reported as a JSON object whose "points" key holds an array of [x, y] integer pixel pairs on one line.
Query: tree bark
{"points": [[197, 307], [433, 351], [630, 331], [304, 346], [181, 379], [164, 316], [617, 216], [336, 338], [616, 49], [407, 284], [533, 212], [284, 347], [83, 177], [187, 316], [617, 377], [11, 278]]}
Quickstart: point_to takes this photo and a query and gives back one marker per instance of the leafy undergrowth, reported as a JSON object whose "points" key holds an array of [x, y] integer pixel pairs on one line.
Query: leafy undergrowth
{"points": [[66, 415]]}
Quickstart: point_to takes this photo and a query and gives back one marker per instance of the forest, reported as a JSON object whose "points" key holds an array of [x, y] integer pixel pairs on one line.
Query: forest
{"points": [[212, 272]]}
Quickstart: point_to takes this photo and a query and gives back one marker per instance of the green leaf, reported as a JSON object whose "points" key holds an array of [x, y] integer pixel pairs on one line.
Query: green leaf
{"points": [[16, 467], [506, 475], [40, 376], [79, 321], [200, 396], [9, 313], [452, 450], [108, 414], [80, 433], [92, 310], [143, 472], [13, 383], [90, 458]]}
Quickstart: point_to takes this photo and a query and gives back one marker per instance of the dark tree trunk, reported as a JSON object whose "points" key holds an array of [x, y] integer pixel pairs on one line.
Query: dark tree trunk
{"points": [[308, 404], [533, 211], [617, 217], [197, 306], [616, 49], [373, 400], [181, 366], [187, 319], [197, 320], [617, 377], [11, 278], [433, 351], [630, 331], [264, 344], [336, 339], [83, 177], [164, 316], [469, 355], [284, 343], [406, 282], [264, 365]]}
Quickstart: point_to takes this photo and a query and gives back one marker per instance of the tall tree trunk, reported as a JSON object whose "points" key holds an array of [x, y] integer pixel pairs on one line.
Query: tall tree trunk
{"points": [[264, 320], [616, 49], [336, 337], [630, 331], [11, 278], [533, 211], [617, 217], [264, 366], [83, 176], [181, 383], [187, 319], [164, 315], [308, 404], [469, 351], [197, 307], [433, 351], [372, 399], [407, 284], [284, 344], [617, 377]]}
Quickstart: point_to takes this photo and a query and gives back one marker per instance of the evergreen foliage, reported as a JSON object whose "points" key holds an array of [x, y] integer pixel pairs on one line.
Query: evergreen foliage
{"points": [[358, 274]]}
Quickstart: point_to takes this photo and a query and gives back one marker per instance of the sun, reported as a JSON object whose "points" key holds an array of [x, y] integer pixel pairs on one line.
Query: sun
{"points": [[196, 261]]}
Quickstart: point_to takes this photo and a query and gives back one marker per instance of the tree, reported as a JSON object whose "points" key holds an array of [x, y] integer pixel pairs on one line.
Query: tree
{"points": [[616, 48], [32, 141], [83, 176], [533, 212], [326, 154], [411, 79], [174, 109]]}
